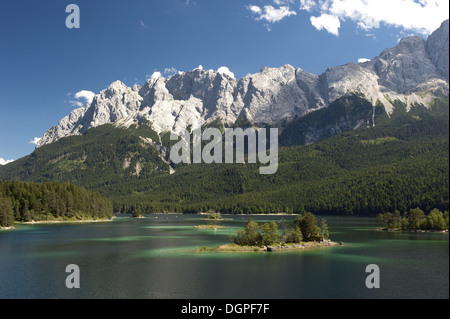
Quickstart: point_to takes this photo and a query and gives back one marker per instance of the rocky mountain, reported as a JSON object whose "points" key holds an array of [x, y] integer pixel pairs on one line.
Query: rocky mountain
{"points": [[414, 72]]}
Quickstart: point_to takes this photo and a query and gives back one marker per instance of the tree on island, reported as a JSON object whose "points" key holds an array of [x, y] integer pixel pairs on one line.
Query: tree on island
{"points": [[249, 236], [307, 223], [324, 229], [414, 219], [295, 236], [270, 233], [304, 228], [214, 215]]}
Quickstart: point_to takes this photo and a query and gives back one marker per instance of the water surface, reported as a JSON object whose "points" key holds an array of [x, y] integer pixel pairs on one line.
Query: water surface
{"points": [[153, 258]]}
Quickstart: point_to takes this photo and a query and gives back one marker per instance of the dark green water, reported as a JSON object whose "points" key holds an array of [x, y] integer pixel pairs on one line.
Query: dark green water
{"points": [[152, 258]]}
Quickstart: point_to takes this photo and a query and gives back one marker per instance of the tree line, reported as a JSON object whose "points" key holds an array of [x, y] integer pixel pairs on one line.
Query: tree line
{"points": [[29, 201], [414, 219]]}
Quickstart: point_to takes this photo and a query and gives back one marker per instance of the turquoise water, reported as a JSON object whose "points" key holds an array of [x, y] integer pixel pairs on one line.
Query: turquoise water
{"points": [[154, 257]]}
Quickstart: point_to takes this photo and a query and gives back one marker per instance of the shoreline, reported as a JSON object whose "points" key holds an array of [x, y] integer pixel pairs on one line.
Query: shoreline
{"points": [[67, 221], [413, 230], [7, 228], [44, 222], [208, 226], [270, 248]]}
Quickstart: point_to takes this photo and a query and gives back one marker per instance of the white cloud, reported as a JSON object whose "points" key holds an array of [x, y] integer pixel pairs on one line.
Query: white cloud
{"points": [[82, 98], [327, 22], [4, 162], [362, 60], [142, 24], [88, 96], [171, 70], [254, 9], [35, 140], [419, 16], [307, 4], [271, 14], [200, 67], [225, 70]]}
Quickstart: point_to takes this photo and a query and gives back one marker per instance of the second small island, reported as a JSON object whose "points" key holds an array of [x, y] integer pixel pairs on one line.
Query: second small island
{"points": [[304, 233]]}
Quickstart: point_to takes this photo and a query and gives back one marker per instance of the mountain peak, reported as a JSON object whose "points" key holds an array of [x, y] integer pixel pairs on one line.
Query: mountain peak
{"points": [[117, 86], [438, 49], [414, 71]]}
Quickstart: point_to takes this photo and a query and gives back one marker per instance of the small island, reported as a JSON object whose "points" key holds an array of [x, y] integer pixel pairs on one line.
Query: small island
{"points": [[304, 234], [211, 226], [212, 215], [415, 220]]}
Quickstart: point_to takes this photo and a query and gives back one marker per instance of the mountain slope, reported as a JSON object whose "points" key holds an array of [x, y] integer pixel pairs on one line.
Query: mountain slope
{"points": [[99, 157], [401, 163]]}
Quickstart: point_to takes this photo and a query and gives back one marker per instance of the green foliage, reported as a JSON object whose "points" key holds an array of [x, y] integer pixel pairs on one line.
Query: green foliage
{"points": [[99, 159], [324, 229], [250, 236], [214, 216], [307, 224], [6, 211], [304, 228], [269, 233], [295, 236], [26, 201], [414, 219]]}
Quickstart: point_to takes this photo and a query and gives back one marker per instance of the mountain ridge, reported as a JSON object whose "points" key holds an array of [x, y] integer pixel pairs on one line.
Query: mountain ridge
{"points": [[414, 72]]}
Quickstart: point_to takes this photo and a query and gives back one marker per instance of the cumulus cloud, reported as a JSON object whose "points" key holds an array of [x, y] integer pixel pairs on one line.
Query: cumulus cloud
{"points": [[328, 22], [419, 16], [270, 14], [362, 60], [225, 70], [4, 162], [35, 140], [82, 98], [254, 9], [307, 4], [88, 96]]}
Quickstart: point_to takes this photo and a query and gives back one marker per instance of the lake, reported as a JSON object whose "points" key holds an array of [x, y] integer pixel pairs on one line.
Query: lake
{"points": [[154, 258]]}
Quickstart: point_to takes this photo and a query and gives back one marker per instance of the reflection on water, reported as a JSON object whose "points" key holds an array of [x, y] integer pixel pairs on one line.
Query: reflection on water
{"points": [[155, 257]]}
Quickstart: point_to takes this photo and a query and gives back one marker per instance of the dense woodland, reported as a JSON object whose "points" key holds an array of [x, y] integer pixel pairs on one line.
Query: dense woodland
{"points": [[27, 201], [414, 219], [400, 164]]}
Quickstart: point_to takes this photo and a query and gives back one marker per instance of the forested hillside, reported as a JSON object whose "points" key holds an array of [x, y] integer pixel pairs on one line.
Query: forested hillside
{"points": [[27, 201], [401, 163]]}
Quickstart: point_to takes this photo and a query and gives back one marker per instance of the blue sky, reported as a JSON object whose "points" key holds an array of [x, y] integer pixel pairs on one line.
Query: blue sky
{"points": [[43, 64]]}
